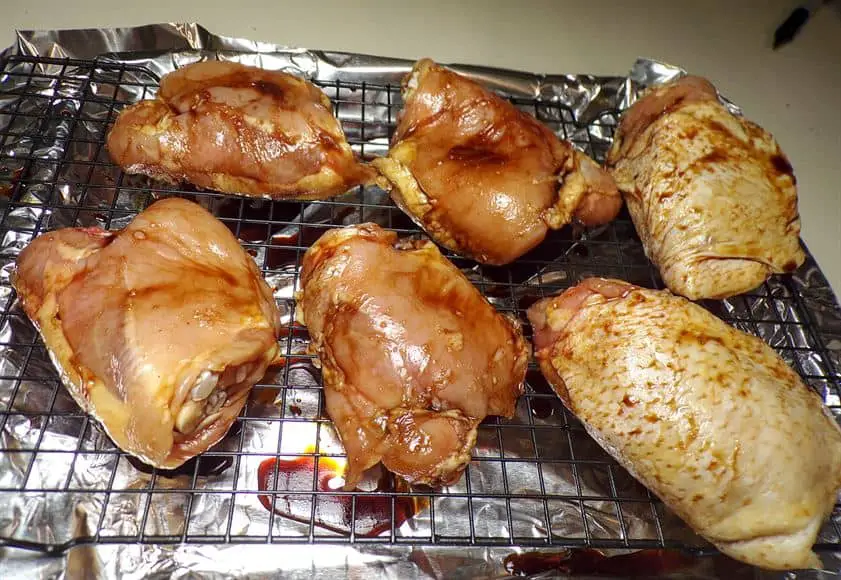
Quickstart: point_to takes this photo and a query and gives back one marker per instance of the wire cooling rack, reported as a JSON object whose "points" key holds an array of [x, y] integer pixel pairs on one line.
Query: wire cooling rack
{"points": [[536, 480]]}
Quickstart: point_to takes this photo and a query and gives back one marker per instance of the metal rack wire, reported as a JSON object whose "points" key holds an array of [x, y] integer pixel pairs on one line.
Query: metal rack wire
{"points": [[533, 477]]}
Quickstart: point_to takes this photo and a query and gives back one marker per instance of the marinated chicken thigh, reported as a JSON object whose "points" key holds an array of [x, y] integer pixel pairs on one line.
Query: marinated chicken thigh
{"points": [[159, 330], [711, 195], [413, 357], [707, 417], [483, 178], [238, 129]]}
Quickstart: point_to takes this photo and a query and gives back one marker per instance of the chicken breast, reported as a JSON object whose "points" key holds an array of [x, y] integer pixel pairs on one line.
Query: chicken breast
{"points": [[238, 129], [413, 357], [158, 331], [483, 178], [711, 195], [707, 417]]}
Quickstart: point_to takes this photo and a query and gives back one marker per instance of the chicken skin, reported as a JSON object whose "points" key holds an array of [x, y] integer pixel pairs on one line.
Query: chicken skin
{"points": [[711, 195], [238, 129], [413, 357], [159, 330], [483, 178], [709, 418]]}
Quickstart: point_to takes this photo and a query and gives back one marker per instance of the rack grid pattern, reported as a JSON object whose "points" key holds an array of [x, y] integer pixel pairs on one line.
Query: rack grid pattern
{"points": [[536, 480]]}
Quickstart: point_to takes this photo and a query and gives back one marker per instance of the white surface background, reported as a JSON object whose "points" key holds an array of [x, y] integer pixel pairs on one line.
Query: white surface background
{"points": [[795, 93]]}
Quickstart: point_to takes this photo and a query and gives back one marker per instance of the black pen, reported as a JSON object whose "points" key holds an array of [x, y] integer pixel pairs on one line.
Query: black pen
{"points": [[792, 25]]}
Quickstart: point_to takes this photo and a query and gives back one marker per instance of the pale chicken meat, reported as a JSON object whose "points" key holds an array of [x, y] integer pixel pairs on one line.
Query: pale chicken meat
{"points": [[238, 129], [709, 418], [413, 357], [159, 330], [711, 195], [483, 178]]}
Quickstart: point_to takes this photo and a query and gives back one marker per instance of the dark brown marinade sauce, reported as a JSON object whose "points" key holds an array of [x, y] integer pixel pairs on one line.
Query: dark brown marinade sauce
{"points": [[268, 88], [541, 407], [586, 561], [332, 512], [783, 166]]}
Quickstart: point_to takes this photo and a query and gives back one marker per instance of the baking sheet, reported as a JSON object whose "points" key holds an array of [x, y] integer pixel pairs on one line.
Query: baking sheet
{"points": [[70, 482]]}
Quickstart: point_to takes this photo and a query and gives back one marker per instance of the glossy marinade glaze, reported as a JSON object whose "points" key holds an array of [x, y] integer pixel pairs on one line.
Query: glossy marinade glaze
{"points": [[241, 130], [712, 196], [158, 330], [413, 356], [709, 418], [482, 177]]}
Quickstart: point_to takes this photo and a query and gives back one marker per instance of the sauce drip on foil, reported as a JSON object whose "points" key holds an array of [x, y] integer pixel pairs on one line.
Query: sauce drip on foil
{"points": [[586, 561], [373, 514]]}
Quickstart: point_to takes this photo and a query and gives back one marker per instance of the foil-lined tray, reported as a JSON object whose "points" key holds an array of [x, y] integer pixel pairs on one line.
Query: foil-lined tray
{"points": [[71, 503]]}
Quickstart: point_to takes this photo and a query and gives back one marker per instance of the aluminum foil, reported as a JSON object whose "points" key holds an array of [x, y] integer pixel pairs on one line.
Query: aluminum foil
{"points": [[66, 480]]}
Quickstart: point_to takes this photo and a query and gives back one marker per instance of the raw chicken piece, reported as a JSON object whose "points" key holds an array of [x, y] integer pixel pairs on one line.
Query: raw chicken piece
{"points": [[708, 417], [159, 330], [238, 129], [483, 178], [711, 195], [413, 357]]}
